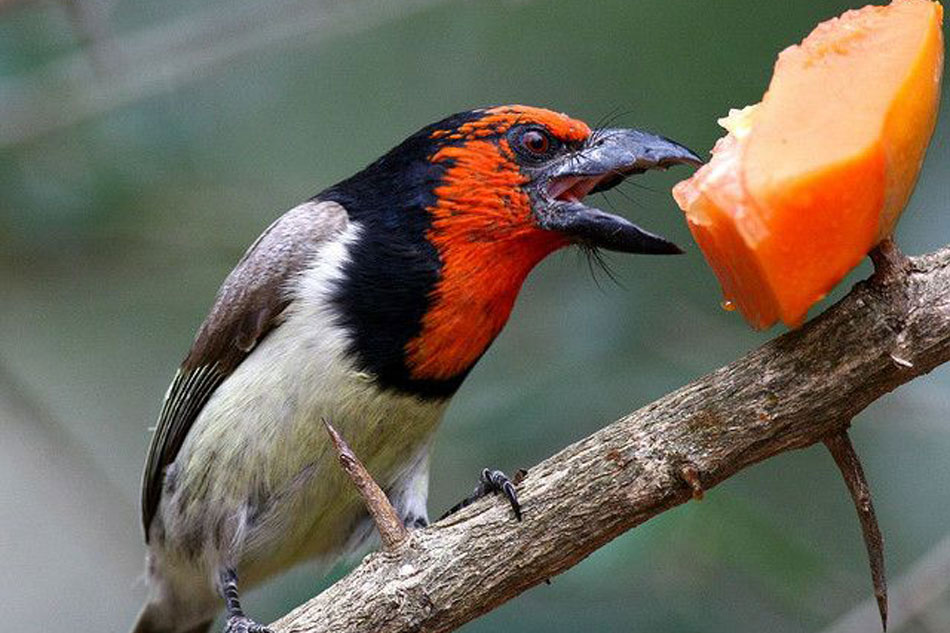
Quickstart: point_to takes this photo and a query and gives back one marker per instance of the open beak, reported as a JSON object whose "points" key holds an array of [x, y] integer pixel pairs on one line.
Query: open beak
{"points": [[604, 162]]}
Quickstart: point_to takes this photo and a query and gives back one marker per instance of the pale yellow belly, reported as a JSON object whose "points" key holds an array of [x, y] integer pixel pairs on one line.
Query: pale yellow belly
{"points": [[258, 485]]}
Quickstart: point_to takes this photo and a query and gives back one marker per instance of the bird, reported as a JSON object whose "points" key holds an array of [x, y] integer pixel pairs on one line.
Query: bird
{"points": [[367, 306]]}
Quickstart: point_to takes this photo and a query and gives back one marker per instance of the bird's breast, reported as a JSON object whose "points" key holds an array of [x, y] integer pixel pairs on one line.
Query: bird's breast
{"points": [[258, 458]]}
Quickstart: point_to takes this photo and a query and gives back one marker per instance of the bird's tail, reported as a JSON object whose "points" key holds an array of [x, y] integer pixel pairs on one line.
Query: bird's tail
{"points": [[152, 620]]}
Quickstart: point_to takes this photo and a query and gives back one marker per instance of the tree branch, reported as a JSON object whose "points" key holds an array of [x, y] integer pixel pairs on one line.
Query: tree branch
{"points": [[792, 392], [392, 533]]}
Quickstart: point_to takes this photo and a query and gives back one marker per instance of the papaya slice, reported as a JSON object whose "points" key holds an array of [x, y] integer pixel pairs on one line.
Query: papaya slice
{"points": [[813, 177]]}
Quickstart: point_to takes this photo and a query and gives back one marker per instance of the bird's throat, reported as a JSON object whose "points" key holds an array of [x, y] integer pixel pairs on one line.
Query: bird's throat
{"points": [[471, 304], [488, 242]]}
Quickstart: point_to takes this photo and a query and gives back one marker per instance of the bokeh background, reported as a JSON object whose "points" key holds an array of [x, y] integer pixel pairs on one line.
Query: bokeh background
{"points": [[144, 145]]}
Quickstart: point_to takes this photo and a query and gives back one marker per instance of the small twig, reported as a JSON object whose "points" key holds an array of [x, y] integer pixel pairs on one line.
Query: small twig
{"points": [[850, 466], [391, 530], [519, 477], [891, 268], [690, 475], [889, 261]]}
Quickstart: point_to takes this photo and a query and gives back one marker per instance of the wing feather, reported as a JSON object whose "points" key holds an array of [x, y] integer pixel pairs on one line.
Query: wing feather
{"points": [[248, 306]]}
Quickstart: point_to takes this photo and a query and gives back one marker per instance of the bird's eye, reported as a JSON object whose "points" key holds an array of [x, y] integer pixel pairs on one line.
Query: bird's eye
{"points": [[533, 143]]}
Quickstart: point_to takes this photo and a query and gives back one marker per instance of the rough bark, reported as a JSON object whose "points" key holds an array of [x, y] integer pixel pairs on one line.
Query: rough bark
{"points": [[792, 392]]}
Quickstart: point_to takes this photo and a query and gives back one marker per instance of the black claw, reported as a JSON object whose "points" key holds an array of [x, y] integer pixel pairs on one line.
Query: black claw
{"points": [[492, 482], [496, 481], [413, 522], [458, 506], [243, 624], [237, 622]]}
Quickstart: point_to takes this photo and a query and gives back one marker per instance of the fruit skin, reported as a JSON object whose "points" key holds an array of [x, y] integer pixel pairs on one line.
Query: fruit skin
{"points": [[818, 173], [920, 101]]}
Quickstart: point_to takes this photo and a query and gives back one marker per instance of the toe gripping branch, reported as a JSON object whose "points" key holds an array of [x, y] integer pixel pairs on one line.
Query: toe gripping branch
{"points": [[493, 482], [236, 621], [850, 466]]}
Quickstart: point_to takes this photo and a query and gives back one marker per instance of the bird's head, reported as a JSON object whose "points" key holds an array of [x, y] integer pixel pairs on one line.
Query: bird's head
{"points": [[490, 193], [519, 171]]}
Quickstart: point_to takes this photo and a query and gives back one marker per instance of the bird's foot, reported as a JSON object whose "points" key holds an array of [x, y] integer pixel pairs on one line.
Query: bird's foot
{"points": [[413, 522], [237, 622], [243, 624], [492, 482]]}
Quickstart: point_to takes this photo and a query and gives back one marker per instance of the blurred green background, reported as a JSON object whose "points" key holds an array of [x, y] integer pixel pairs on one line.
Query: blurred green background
{"points": [[144, 145]]}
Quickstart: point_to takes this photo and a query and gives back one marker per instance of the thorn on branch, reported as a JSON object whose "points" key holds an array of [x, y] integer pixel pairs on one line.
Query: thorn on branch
{"points": [[690, 474], [850, 466], [392, 532], [519, 477]]}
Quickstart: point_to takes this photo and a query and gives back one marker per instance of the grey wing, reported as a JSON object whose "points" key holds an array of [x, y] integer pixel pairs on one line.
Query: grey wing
{"points": [[248, 306]]}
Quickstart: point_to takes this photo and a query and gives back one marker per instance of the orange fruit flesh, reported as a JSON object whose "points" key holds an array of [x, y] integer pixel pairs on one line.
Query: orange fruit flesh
{"points": [[810, 179]]}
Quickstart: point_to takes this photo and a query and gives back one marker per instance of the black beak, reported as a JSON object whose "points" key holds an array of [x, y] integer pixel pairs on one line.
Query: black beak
{"points": [[610, 156]]}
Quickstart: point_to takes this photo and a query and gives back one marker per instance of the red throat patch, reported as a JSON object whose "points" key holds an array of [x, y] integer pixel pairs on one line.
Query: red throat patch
{"points": [[486, 235]]}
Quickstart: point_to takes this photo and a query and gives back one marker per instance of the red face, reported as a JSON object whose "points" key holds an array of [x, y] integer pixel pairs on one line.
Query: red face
{"points": [[511, 195]]}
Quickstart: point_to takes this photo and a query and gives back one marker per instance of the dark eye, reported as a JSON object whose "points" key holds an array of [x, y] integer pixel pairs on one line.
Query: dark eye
{"points": [[533, 143], [536, 142]]}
